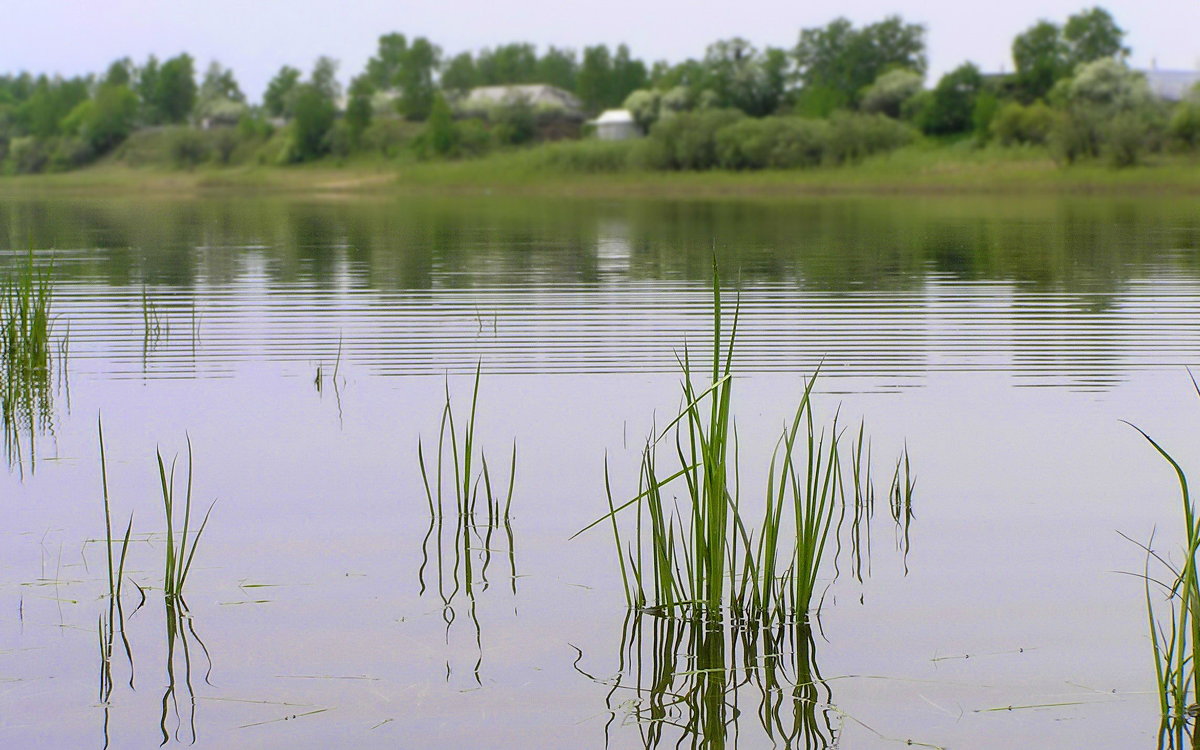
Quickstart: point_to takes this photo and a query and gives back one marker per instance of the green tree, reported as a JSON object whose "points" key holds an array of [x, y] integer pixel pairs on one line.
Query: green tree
{"points": [[890, 91], [842, 60], [106, 119], [415, 79], [1092, 34], [384, 68], [147, 90], [220, 96], [628, 75], [440, 134], [951, 108], [278, 98], [1040, 56], [324, 78], [557, 67], [358, 109], [593, 81], [313, 117], [508, 64], [175, 89], [120, 73], [460, 73], [741, 77], [49, 102]]}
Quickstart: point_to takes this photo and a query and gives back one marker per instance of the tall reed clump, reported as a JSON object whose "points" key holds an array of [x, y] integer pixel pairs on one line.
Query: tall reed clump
{"points": [[706, 557], [26, 353], [179, 554], [1175, 623]]}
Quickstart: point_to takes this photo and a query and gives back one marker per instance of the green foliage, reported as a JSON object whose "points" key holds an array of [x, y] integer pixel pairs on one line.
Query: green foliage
{"points": [[583, 157], [220, 99], [951, 108], [388, 136], [324, 79], [1039, 54], [1184, 127], [1045, 53], [277, 99], [889, 92], [843, 59], [1125, 139], [507, 64], [460, 73], [1015, 123], [644, 105], [687, 140], [854, 136], [1092, 34], [312, 120], [557, 67], [359, 109], [820, 101], [741, 77], [175, 90], [515, 122], [408, 69], [773, 143], [50, 101], [440, 137], [987, 104], [108, 118], [605, 79], [189, 148], [28, 155]]}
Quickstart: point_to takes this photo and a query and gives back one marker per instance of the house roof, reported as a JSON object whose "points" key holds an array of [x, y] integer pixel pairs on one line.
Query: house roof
{"points": [[610, 116], [539, 95], [1171, 84]]}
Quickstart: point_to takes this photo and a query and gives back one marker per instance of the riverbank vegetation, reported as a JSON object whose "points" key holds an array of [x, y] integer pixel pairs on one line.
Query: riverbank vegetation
{"points": [[842, 94]]}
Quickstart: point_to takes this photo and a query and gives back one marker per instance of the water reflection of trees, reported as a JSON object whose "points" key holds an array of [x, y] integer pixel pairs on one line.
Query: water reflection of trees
{"points": [[1077, 245]]}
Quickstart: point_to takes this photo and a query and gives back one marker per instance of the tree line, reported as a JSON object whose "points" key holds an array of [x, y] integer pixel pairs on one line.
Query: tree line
{"points": [[1071, 90]]}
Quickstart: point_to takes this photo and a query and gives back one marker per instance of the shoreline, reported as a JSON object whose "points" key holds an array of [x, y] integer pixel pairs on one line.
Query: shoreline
{"points": [[926, 173]]}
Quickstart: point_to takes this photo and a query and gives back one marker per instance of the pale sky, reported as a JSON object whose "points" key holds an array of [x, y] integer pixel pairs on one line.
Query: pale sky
{"points": [[256, 37]]}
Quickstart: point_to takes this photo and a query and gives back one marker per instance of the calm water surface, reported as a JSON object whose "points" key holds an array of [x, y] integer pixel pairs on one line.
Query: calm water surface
{"points": [[1001, 340]]}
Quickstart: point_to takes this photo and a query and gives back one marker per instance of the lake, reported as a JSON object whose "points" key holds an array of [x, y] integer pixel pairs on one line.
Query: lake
{"points": [[304, 346]]}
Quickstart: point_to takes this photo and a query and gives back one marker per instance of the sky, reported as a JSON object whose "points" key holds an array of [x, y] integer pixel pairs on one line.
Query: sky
{"points": [[256, 37]]}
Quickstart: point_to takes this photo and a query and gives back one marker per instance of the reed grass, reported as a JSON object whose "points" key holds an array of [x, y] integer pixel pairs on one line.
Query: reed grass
{"points": [[465, 513], [27, 356], [179, 553], [707, 557], [1175, 623]]}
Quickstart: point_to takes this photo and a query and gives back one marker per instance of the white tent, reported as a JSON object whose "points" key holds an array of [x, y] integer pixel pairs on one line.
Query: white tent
{"points": [[616, 125]]}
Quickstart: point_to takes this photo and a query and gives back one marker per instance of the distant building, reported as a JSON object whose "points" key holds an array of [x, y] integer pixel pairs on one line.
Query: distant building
{"points": [[545, 99], [1171, 85], [616, 125]]}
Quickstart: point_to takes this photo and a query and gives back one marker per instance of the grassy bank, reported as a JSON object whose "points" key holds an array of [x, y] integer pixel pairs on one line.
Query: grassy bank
{"points": [[582, 169]]}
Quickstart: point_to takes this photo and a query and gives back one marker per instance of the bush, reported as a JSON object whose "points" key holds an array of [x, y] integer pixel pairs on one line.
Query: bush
{"points": [[1126, 137], [855, 136], [890, 91], [28, 155], [1075, 135], [71, 153], [772, 142], [474, 138], [590, 156], [388, 135], [189, 147], [515, 122], [1184, 127], [1016, 123], [687, 140]]}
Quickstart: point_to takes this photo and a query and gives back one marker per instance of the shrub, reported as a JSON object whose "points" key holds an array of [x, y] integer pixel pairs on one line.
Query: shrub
{"points": [[474, 138], [188, 148], [515, 122], [890, 91], [28, 155], [70, 152], [389, 135], [687, 140], [772, 142], [590, 156], [1016, 123], [1125, 139], [1184, 127], [854, 136]]}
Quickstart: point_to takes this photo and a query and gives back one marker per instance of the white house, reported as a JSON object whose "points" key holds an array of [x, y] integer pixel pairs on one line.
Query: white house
{"points": [[616, 125]]}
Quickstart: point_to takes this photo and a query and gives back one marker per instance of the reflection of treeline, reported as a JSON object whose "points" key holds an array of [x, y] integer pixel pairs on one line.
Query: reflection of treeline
{"points": [[1090, 244], [1070, 91]]}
